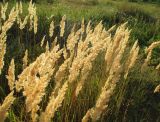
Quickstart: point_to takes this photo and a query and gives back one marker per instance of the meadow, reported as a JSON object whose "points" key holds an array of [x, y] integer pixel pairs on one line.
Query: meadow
{"points": [[86, 60]]}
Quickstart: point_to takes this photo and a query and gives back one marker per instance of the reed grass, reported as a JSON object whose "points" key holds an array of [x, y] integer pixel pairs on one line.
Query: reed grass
{"points": [[56, 80]]}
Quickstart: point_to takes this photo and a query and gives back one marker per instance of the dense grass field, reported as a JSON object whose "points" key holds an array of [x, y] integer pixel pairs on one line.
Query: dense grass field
{"points": [[80, 60], [142, 17]]}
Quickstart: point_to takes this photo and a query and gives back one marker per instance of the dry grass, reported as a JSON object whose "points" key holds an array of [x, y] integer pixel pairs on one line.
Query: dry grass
{"points": [[68, 67]]}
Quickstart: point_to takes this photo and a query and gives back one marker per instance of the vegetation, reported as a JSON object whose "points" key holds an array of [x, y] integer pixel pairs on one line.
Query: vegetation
{"points": [[144, 1], [81, 64], [144, 19]]}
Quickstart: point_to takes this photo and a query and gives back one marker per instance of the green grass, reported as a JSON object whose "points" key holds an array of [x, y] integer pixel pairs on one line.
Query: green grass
{"points": [[78, 10], [143, 18]]}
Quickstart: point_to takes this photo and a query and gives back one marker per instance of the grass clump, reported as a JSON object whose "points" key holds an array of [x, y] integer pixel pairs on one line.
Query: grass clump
{"points": [[75, 72]]}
